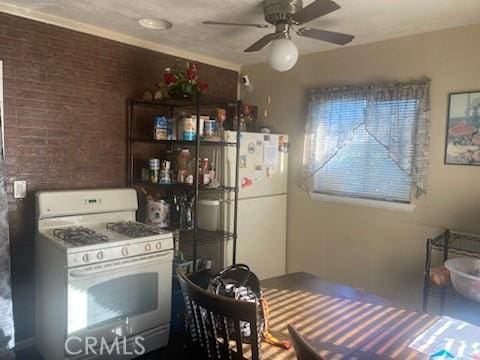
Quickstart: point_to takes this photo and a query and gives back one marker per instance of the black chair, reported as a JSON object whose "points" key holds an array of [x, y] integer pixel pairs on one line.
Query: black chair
{"points": [[303, 350], [214, 323]]}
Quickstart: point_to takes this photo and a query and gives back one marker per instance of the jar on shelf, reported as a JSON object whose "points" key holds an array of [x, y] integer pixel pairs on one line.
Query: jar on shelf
{"points": [[165, 173], [247, 121], [189, 128], [184, 161], [171, 156], [221, 116]]}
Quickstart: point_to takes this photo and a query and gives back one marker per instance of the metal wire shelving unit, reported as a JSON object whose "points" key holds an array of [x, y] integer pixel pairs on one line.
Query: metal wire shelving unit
{"points": [[445, 300], [196, 237]]}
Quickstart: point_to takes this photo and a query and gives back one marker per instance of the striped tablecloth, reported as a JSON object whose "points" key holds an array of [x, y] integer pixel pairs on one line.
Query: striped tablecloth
{"points": [[340, 328]]}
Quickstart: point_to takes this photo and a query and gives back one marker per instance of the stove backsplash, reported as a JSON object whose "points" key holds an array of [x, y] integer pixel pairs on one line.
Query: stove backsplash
{"points": [[65, 123]]}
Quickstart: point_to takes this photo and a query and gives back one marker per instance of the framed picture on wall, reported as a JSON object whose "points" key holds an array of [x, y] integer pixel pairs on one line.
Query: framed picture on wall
{"points": [[463, 129]]}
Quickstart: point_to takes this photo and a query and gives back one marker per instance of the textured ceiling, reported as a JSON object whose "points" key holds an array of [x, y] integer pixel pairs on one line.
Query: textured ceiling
{"points": [[368, 20]]}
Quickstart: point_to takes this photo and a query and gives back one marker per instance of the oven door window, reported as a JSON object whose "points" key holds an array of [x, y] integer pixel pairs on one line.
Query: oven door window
{"points": [[120, 298], [111, 300]]}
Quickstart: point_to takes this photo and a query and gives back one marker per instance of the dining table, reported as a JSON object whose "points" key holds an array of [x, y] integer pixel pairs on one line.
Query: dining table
{"points": [[339, 321]]}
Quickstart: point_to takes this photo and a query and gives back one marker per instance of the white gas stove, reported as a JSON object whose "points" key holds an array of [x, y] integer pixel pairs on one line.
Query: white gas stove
{"points": [[102, 278]]}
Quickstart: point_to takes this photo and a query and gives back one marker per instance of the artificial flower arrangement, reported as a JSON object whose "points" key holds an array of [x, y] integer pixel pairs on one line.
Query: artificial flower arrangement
{"points": [[181, 81]]}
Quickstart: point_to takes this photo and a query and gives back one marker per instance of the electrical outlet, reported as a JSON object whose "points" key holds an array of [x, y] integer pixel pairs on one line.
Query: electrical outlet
{"points": [[20, 189]]}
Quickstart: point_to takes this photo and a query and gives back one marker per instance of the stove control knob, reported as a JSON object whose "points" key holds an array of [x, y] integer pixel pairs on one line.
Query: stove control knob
{"points": [[124, 251], [100, 255], [148, 247], [85, 258], [158, 245]]}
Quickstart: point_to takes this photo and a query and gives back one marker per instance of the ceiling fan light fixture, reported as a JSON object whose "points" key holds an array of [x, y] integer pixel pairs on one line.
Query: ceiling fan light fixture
{"points": [[282, 55], [155, 24]]}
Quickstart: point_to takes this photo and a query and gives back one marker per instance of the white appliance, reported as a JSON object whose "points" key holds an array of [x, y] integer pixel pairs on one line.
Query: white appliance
{"points": [[99, 275], [262, 209]]}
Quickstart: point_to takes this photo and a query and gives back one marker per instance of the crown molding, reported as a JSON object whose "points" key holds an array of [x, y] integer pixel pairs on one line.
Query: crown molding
{"points": [[112, 35]]}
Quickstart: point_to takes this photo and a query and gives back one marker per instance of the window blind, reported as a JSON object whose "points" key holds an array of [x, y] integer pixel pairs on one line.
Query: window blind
{"points": [[363, 142], [362, 168]]}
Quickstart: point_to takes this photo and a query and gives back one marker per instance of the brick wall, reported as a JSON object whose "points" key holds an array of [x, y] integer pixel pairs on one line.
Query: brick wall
{"points": [[65, 122]]}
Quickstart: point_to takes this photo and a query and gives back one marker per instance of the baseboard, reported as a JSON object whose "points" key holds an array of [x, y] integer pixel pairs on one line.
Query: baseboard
{"points": [[25, 344]]}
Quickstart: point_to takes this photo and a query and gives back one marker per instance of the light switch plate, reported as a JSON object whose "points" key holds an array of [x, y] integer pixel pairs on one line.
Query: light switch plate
{"points": [[20, 189]]}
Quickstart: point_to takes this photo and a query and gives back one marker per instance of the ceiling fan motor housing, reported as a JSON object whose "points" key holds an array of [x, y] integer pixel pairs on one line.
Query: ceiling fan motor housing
{"points": [[280, 10]]}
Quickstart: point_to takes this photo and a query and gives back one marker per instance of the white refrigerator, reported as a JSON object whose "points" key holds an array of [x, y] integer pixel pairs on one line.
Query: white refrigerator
{"points": [[262, 209]]}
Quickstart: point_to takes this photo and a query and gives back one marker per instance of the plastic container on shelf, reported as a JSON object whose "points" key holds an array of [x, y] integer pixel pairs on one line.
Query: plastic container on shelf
{"points": [[209, 215], [465, 275], [184, 160], [189, 128]]}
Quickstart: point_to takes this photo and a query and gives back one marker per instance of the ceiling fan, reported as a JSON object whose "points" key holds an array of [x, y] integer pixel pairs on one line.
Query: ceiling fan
{"points": [[286, 15]]}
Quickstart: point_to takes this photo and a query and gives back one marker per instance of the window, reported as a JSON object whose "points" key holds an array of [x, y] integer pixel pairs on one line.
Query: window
{"points": [[368, 142]]}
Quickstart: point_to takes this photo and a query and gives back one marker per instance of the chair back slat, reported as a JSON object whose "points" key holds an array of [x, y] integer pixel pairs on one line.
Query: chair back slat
{"points": [[255, 340], [197, 320], [210, 318], [238, 338], [204, 331], [223, 323], [212, 329]]}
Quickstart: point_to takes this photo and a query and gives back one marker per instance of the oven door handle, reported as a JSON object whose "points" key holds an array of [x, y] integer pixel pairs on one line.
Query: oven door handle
{"points": [[78, 273]]}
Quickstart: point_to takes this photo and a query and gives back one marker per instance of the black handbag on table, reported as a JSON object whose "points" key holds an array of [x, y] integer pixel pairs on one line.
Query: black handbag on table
{"points": [[240, 283]]}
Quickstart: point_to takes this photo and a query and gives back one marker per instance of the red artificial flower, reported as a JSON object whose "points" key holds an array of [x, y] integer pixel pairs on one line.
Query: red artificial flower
{"points": [[168, 79], [203, 87], [192, 74]]}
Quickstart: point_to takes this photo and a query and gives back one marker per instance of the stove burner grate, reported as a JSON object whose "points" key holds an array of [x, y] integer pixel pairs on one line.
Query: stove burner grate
{"points": [[131, 229], [79, 236]]}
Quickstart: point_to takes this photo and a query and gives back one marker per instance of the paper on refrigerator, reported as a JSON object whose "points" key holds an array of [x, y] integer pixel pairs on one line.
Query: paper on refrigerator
{"points": [[270, 149]]}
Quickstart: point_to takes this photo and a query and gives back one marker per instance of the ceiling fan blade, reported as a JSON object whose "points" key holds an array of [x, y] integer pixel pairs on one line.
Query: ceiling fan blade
{"points": [[261, 26], [324, 35], [260, 44], [314, 10]]}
